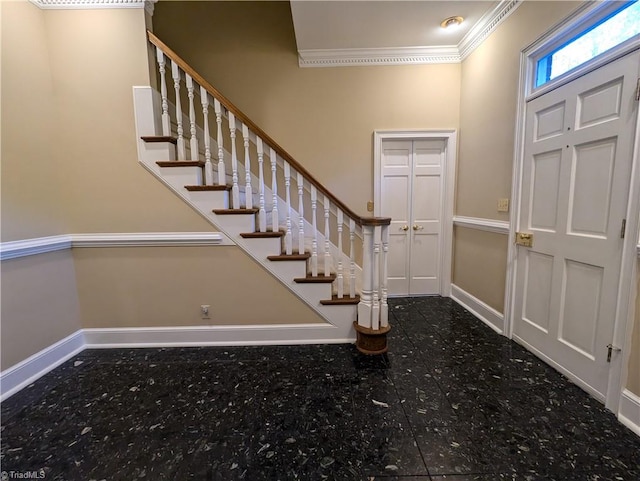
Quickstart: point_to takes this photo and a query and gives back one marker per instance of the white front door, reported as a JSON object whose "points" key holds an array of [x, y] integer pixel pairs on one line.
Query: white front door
{"points": [[576, 177], [411, 194]]}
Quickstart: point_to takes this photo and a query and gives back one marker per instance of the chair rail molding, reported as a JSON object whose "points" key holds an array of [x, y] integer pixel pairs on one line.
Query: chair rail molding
{"points": [[479, 223], [41, 245]]}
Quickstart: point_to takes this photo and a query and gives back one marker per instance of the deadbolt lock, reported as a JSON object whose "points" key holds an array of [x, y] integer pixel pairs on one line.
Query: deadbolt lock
{"points": [[524, 239]]}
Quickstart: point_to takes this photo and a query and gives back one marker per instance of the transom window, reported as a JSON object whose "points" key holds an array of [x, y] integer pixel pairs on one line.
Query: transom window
{"points": [[599, 37]]}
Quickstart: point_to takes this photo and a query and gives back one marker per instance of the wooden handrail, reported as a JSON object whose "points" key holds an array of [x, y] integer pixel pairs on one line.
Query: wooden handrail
{"points": [[361, 221]]}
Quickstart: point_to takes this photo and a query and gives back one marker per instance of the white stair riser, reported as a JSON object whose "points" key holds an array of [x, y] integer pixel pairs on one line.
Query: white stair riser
{"points": [[208, 199], [181, 176]]}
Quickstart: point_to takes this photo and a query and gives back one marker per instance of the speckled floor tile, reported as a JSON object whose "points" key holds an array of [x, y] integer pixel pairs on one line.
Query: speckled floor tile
{"points": [[452, 400]]}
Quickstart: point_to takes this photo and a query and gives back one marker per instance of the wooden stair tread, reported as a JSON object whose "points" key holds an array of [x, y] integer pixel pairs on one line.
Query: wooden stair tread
{"points": [[180, 163], [261, 235], [206, 188], [234, 211], [290, 257], [315, 280], [335, 301], [159, 138]]}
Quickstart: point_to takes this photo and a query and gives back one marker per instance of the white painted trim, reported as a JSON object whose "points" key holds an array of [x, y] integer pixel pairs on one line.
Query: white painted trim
{"points": [[151, 239], [485, 26], [240, 335], [411, 55], [629, 412], [448, 188], [94, 4], [481, 310], [377, 56], [40, 245], [478, 223], [34, 367], [30, 247]]}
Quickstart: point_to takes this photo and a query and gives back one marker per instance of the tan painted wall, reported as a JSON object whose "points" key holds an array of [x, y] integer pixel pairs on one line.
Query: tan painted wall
{"points": [[39, 304], [633, 378], [480, 264], [30, 177], [488, 103], [165, 286], [324, 117]]}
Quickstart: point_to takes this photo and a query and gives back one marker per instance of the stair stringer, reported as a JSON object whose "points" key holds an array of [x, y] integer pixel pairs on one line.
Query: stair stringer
{"points": [[341, 317]]}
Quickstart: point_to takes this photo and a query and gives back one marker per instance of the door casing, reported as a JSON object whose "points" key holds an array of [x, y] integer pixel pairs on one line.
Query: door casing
{"points": [[446, 238]]}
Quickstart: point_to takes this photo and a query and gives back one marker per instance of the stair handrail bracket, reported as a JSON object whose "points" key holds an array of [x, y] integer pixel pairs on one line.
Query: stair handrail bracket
{"points": [[283, 202]]}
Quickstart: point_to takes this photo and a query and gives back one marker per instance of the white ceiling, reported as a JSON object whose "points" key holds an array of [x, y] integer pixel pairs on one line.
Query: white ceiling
{"points": [[378, 27]]}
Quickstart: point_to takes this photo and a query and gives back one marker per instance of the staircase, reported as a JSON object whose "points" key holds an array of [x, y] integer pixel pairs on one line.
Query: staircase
{"points": [[213, 156]]}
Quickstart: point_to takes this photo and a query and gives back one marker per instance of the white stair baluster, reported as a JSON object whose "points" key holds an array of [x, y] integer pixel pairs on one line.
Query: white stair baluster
{"points": [[235, 190], [327, 238], [365, 306], [208, 167], [300, 214], [220, 141], [384, 307], [193, 141], [275, 221], [340, 275], [248, 191], [166, 121], [175, 71], [262, 214], [314, 242], [375, 309], [352, 258], [288, 242]]}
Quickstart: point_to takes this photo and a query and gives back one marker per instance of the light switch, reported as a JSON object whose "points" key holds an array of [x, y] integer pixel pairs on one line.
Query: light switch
{"points": [[370, 206], [503, 205]]}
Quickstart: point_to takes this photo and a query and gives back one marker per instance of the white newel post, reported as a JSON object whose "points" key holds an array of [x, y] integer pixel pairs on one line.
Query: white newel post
{"points": [[384, 307], [262, 214], [314, 242], [373, 321], [288, 241], [300, 181], [275, 221], [375, 303], [166, 121], [366, 298], [340, 274], [208, 167], [222, 180], [193, 140], [235, 189], [175, 72], [248, 191]]}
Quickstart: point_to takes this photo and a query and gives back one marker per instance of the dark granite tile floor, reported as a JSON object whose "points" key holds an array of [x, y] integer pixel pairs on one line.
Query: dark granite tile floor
{"points": [[452, 400]]}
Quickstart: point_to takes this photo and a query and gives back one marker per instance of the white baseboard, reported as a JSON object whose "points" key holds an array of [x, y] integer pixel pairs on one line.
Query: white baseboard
{"points": [[34, 367], [484, 312], [629, 411], [241, 335]]}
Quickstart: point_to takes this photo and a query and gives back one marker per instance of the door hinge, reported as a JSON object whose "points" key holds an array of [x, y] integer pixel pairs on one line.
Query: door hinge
{"points": [[623, 228], [638, 90], [610, 349]]}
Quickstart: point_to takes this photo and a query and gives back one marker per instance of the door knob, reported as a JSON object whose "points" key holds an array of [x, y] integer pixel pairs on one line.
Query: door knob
{"points": [[417, 227], [405, 228]]}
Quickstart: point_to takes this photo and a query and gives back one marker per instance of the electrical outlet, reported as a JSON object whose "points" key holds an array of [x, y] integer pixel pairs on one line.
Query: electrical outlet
{"points": [[370, 206], [204, 311], [503, 205]]}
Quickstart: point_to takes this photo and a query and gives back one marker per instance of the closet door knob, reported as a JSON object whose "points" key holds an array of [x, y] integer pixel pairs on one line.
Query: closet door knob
{"points": [[405, 228], [417, 227]]}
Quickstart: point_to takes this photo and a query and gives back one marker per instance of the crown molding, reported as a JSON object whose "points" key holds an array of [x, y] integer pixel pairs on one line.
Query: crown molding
{"points": [[411, 55], [148, 5], [485, 26], [377, 56]]}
